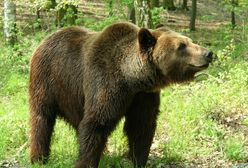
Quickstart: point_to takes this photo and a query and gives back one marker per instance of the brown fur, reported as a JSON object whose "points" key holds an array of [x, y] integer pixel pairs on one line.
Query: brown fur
{"points": [[93, 79]]}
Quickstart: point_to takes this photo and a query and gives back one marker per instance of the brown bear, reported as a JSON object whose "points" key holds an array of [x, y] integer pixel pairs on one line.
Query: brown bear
{"points": [[93, 79]]}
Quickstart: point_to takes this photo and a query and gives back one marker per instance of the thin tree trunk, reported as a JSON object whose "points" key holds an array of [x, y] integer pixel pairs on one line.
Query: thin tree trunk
{"points": [[131, 14], [233, 21], [10, 21], [53, 4], [38, 18], [142, 13], [154, 3], [169, 4], [185, 5], [59, 17], [193, 15]]}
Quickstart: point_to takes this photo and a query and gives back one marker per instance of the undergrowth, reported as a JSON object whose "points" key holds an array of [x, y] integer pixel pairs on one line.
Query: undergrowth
{"points": [[204, 121]]}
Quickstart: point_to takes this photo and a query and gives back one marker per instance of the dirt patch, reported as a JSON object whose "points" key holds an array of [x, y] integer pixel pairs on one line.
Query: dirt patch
{"points": [[235, 121]]}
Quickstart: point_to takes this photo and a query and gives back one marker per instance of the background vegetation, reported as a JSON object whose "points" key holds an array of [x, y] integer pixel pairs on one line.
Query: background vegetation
{"points": [[203, 124]]}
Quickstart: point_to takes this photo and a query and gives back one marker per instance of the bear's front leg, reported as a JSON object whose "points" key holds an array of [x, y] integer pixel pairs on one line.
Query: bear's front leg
{"points": [[140, 126], [101, 116]]}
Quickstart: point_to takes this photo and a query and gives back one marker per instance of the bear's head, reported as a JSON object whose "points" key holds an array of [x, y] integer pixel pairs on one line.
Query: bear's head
{"points": [[175, 56]]}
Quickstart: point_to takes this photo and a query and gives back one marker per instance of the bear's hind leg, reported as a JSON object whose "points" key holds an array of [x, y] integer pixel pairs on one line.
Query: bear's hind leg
{"points": [[140, 125], [42, 124]]}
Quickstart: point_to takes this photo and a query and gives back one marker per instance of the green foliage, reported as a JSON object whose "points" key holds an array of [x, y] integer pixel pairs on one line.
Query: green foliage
{"points": [[156, 15], [207, 18], [119, 8], [115, 162], [65, 11], [234, 148], [99, 25], [49, 4], [243, 3], [245, 122], [125, 2], [63, 3], [224, 55], [235, 5], [118, 141], [195, 120]]}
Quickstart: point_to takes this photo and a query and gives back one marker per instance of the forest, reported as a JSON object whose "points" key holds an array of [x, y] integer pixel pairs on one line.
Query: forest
{"points": [[201, 124]]}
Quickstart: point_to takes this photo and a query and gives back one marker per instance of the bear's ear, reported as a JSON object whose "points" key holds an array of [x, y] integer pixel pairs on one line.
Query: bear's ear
{"points": [[146, 40]]}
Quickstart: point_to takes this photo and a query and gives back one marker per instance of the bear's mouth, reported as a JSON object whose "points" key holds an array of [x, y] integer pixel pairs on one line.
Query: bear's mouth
{"points": [[198, 67]]}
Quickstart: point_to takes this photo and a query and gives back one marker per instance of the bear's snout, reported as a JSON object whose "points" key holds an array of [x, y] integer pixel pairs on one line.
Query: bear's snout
{"points": [[209, 56]]}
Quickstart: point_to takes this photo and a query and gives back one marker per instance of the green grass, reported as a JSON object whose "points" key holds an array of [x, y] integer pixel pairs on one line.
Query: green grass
{"points": [[234, 148], [199, 121], [194, 114]]}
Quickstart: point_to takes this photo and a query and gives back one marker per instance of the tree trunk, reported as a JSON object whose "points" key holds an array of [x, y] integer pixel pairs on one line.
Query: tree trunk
{"points": [[38, 18], [185, 5], [142, 13], [59, 17], [193, 15], [53, 4], [233, 21], [169, 4], [131, 14], [10, 21], [154, 3]]}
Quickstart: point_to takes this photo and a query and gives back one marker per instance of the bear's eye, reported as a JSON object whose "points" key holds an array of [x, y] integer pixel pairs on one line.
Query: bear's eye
{"points": [[182, 46]]}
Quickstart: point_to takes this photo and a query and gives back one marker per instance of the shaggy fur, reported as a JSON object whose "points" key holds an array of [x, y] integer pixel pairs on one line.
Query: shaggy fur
{"points": [[93, 79]]}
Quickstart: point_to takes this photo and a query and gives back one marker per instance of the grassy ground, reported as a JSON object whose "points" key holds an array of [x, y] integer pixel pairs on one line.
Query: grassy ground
{"points": [[202, 124]]}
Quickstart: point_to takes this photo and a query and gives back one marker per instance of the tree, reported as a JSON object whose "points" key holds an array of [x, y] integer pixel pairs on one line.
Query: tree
{"points": [[42, 5], [10, 21], [169, 4], [66, 10], [235, 7], [234, 4], [185, 5], [143, 13], [154, 3], [66, 14], [131, 14], [193, 15]]}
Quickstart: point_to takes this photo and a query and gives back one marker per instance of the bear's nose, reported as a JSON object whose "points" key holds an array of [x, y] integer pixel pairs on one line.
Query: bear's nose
{"points": [[209, 56]]}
